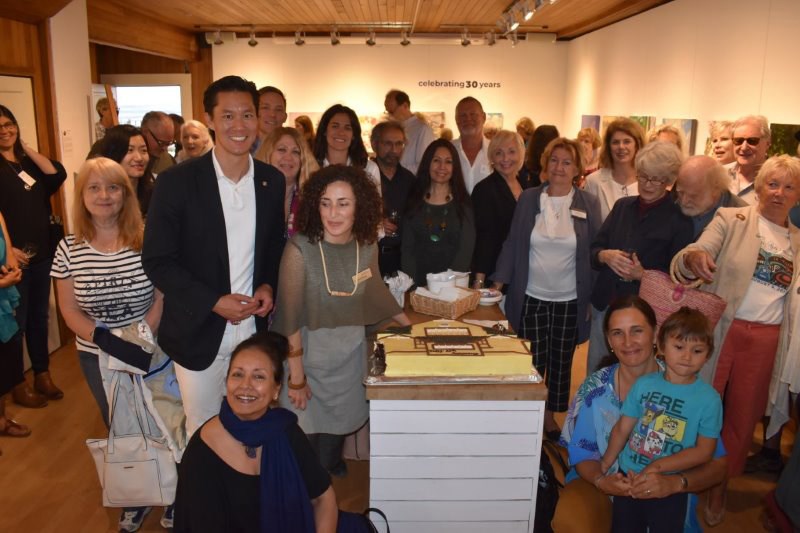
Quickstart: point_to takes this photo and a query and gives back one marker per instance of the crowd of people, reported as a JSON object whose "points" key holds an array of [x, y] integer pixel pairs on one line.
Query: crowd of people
{"points": [[256, 257]]}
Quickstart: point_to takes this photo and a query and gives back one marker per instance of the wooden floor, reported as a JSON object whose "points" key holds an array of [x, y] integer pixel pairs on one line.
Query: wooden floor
{"points": [[48, 481]]}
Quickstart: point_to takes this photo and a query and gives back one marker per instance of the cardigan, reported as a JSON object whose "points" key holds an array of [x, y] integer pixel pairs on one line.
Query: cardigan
{"points": [[512, 265], [655, 237]]}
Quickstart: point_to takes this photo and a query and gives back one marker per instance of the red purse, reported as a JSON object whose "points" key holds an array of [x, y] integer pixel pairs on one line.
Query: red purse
{"points": [[666, 294]]}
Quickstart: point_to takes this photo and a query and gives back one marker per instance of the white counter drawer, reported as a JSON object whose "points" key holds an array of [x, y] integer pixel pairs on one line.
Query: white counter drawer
{"points": [[455, 405], [453, 467], [453, 527], [445, 511], [453, 445], [455, 422], [451, 489]]}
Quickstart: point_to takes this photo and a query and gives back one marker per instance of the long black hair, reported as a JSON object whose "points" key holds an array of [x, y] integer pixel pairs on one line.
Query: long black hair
{"points": [[356, 151], [422, 184]]}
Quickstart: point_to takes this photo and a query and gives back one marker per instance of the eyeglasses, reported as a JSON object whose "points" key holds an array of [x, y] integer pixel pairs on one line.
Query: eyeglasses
{"points": [[389, 144], [10, 126], [161, 144], [752, 141], [647, 180]]}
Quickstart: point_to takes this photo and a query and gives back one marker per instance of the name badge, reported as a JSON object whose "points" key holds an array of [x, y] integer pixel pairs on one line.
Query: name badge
{"points": [[578, 213], [364, 275], [29, 181]]}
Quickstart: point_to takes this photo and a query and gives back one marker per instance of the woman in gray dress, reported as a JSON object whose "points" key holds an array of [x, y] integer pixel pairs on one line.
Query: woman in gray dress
{"points": [[330, 288]]}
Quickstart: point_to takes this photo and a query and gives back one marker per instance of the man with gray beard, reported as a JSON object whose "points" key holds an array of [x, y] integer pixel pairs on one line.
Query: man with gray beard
{"points": [[702, 187]]}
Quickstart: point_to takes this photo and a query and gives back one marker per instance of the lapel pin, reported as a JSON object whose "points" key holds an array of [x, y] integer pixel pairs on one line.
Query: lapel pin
{"points": [[264, 183], [740, 216]]}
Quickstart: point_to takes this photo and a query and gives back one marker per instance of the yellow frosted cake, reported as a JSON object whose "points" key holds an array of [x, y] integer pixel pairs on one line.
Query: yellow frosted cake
{"points": [[453, 348]]}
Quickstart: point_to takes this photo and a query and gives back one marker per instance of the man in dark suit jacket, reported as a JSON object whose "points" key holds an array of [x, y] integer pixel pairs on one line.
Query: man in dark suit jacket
{"points": [[213, 243]]}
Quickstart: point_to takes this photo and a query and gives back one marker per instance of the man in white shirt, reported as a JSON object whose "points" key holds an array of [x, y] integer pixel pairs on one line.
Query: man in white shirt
{"points": [[471, 145], [212, 245], [751, 139], [418, 133]]}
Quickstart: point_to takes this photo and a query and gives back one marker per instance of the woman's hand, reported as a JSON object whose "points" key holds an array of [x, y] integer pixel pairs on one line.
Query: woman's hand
{"points": [[614, 484], [701, 264], [654, 485], [620, 262], [9, 276], [299, 397]]}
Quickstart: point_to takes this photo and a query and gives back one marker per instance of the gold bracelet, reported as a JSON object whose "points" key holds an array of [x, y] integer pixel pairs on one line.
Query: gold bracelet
{"points": [[295, 353], [301, 386], [684, 482]]}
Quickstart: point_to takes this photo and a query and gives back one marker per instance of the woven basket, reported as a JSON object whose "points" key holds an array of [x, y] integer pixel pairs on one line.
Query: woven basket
{"points": [[451, 310]]}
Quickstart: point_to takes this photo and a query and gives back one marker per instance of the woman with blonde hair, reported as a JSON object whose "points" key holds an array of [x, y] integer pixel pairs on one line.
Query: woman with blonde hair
{"points": [[721, 133], [494, 199], [195, 139], [100, 280], [286, 150], [616, 178], [525, 128], [590, 141], [671, 134]]}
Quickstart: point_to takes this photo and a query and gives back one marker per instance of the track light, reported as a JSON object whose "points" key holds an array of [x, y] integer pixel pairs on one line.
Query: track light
{"points": [[514, 39], [527, 12], [404, 38], [491, 40], [465, 38], [513, 23], [218, 37], [335, 37], [298, 38], [252, 41], [371, 40]]}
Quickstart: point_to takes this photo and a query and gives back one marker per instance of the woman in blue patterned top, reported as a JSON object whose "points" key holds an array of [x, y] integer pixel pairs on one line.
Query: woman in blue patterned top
{"points": [[630, 330]]}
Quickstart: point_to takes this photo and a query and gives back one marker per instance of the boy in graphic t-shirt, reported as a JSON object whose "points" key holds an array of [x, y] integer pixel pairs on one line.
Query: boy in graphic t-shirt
{"points": [[671, 421]]}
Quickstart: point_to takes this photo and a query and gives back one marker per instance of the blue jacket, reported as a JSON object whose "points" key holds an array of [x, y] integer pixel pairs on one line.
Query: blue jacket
{"points": [[512, 265]]}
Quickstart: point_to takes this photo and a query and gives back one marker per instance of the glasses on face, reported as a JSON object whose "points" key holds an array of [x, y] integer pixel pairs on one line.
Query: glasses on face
{"points": [[10, 126], [752, 141], [161, 144], [399, 145], [647, 180]]}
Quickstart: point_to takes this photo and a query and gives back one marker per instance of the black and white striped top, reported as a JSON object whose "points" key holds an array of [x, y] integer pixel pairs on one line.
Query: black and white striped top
{"points": [[109, 287]]}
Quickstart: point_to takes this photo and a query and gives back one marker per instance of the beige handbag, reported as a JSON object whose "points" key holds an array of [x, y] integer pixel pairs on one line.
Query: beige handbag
{"points": [[135, 469]]}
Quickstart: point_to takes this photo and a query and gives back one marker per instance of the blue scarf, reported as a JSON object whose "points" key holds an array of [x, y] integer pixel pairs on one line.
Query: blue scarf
{"points": [[285, 505]]}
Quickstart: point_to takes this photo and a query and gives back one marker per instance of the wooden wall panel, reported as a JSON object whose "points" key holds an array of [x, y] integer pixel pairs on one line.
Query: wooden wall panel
{"points": [[202, 76], [117, 25]]}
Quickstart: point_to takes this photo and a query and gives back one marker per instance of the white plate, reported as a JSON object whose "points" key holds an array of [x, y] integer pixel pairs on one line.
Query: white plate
{"points": [[490, 296]]}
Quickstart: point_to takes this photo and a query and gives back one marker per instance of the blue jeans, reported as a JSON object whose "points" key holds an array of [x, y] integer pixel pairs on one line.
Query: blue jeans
{"points": [[90, 366]]}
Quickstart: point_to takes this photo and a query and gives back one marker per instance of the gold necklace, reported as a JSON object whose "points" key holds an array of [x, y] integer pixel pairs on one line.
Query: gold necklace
{"points": [[325, 273]]}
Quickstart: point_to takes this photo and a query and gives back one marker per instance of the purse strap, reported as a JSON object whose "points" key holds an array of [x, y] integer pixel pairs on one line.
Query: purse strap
{"points": [[679, 279], [139, 405]]}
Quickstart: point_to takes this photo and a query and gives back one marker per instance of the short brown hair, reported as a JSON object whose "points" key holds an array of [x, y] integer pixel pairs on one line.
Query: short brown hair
{"points": [[368, 203], [570, 146], [687, 324], [626, 126], [129, 221]]}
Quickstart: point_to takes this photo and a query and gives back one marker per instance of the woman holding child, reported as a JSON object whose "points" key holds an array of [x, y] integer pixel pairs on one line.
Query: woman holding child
{"points": [[629, 327]]}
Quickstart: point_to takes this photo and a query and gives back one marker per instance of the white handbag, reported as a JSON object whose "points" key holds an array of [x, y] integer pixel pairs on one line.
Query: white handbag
{"points": [[136, 469]]}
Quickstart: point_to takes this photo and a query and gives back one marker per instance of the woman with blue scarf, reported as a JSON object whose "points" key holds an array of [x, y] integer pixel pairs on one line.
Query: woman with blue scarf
{"points": [[252, 468]]}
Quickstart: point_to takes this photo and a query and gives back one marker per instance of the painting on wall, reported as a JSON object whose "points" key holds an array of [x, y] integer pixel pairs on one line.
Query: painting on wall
{"points": [[435, 120], [647, 123], [689, 128], [590, 121], [784, 140], [494, 120]]}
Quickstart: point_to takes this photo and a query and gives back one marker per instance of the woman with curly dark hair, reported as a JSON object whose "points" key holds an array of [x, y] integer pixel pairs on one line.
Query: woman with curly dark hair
{"points": [[439, 226], [330, 289], [339, 142]]}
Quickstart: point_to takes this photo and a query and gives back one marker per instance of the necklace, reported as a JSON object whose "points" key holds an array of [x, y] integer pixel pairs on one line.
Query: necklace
{"points": [[325, 273], [435, 230], [250, 451]]}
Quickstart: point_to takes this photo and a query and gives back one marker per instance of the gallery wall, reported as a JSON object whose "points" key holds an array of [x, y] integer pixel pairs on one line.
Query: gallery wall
{"points": [[706, 60], [527, 80]]}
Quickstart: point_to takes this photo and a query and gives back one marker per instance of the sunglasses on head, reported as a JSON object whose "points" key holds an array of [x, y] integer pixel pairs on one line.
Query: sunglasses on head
{"points": [[752, 141]]}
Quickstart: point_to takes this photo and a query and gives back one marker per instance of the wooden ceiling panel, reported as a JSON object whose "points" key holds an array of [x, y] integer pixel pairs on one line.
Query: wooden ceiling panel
{"points": [[566, 18], [32, 12]]}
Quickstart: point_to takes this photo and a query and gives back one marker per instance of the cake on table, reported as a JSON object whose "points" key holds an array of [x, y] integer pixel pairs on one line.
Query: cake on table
{"points": [[453, 348]]}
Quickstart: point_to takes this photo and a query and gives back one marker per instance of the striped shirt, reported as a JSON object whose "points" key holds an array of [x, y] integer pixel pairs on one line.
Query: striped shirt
{"points": [[109, 287]]}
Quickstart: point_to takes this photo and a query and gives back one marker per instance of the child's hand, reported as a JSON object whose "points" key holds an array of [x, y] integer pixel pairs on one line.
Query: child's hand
{"points": [[652, 468]]}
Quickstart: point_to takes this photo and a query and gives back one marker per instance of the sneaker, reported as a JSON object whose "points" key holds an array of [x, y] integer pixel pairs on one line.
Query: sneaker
{"points": [[168, 518], [764, 461], [131, 518]]}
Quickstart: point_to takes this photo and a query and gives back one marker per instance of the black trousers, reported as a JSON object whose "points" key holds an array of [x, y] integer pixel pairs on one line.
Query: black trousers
{"points": [[32, 312], [662, 515]]}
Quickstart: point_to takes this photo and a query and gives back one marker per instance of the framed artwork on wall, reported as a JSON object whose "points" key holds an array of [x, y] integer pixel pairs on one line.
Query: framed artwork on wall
{"points": [[689, 128]]}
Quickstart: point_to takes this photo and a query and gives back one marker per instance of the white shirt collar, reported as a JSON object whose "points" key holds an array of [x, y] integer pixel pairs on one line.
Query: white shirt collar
{"points": [[249, 175]]}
